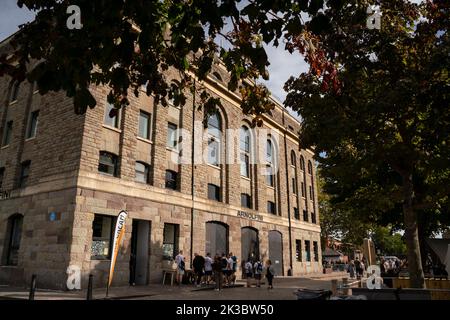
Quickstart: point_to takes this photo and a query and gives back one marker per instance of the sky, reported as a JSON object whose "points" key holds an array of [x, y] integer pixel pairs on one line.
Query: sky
{"points": [[283, 64]]}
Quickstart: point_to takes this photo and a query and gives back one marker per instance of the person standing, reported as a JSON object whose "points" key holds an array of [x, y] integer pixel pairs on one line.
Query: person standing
{"points": [[198, 263], [248, 272], [258, 266], [230, 263], [179, 260], [217, 268], [235, 262], [224, 263], [351, 269], [208, 268], [270, 273]]}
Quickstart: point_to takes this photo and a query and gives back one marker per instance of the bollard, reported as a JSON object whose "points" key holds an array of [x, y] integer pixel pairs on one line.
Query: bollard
{"points": [[32, 287], [334, 284], [346, 289], [89, 290]]}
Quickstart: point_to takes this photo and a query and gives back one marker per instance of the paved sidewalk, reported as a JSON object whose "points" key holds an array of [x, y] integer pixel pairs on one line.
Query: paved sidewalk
{"points": [[284, 290]]}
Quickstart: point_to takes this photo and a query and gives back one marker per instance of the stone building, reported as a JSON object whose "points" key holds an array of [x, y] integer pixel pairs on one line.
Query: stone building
{"points": [[65, 177]]}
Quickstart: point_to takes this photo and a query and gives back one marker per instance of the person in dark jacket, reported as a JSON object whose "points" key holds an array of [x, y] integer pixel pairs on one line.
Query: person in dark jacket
{"points": [[198, 263], [217, 269]]}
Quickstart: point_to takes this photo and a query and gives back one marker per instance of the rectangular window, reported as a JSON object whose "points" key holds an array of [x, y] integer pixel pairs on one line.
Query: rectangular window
{"points": [[24, 173], [213, 152], [270, 177], [142, 172], [172, 139], [298, 250], [213, 192], [296, 214], [144, 125], [7, 134], [108, 164], [102, 234], [308, 250], [111, 116], [2, 175], [316, 251], [305, 216], [15, 91], [271, 208], [32, 124], [303, 189], [170, 240], [310, 193], [245, 165], [171, 180], [313, 217], [294, 185], [246, 200]]}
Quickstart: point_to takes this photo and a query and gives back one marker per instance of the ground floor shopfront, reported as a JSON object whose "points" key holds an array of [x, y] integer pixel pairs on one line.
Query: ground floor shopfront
{"points": [[49, 233]]}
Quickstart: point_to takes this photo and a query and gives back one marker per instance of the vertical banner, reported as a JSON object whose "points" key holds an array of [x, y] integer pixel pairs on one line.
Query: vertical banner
{"points": [[118, 235]]}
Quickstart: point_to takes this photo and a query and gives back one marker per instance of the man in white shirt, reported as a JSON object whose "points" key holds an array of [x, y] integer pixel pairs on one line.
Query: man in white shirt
{"points": [[179, 260], [208, 267]]}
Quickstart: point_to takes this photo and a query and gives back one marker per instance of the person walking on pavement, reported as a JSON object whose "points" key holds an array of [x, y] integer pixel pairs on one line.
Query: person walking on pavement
{"points": [[235, 262], [217, 268], [179, 260], [198, 263], [270, 273], [258, 267], [208, 268], [248, 272]]}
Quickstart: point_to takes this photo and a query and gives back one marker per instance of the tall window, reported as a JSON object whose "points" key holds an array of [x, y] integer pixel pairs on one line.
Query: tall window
{"points": [[302, 168], [2, 175], [294, 185], [172, 138], [170, 240], [7, 134], [313, 217], [144, 125], [316, 251], [214, 192], [294, 178], [298, 250], [245, 151], [311, 188], [305, 215], [246, 200], [112, 116], [214, 133], [270, 178], [102, 233], [270, 158], [142, 171], [293, 159], [296, 214], [15, 91], [171, 180], [32, 124], [108, 164], [24, 173], [271, 208], [308, 250], [12, 241]]}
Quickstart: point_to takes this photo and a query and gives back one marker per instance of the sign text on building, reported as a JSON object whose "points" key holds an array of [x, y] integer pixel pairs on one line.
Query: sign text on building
{"points": [[250, 216]]}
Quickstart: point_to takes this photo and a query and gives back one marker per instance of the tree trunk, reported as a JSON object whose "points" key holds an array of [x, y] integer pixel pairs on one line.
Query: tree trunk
{"points": [[412, 235]]}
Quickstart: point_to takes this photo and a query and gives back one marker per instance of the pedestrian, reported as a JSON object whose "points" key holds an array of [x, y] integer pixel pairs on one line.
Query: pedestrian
{"points": [[357, 266], [198, 263], [179, 260], [248, 272], [351, 269], [270, 273], [217, 269], [235, 262], [362, 268], [230, 274], [258, 267], [208, 268], [224, 263]]}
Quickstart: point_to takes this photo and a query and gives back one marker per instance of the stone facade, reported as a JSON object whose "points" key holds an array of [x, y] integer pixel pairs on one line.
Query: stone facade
{"points": [[65, 190]]}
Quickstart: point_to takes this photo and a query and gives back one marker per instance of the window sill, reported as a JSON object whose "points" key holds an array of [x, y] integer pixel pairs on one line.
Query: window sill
{"points": [[245, 178], [4, 147], [13, 102], [144, 140], [213, 166], [172, 149], [111, 128], [35, 91], [30, 139], [107, 175], [270, 187]]}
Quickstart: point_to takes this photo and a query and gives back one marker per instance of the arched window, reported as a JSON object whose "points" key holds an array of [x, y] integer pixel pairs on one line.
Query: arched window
{"points": [[294, 174], [214, 134], [302, 168], [269, 151], [108, 164], [311, 187], [216, 238], [309, 167], [13, 237], [249, 244], [142, 171], [293, 159], [15, 91], [270, 158], [245, 151]]}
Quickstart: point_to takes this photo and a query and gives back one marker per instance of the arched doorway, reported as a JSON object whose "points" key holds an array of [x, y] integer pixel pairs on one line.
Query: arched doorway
{"points": [[276, 251], [249, 244], [13, 238], [216, 239]]}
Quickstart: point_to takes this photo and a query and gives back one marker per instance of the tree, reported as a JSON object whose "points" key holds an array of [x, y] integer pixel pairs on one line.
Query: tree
{"points": [[129, 44], [381, 136], [387, 242]]}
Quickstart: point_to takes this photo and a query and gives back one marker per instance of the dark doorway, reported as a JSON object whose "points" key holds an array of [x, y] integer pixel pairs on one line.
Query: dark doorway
{"points": [[216, 239], [249, 244], [276, 251], [139, 252]]}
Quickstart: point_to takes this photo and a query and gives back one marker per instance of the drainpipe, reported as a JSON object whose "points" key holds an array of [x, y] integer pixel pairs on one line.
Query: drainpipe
{"points": [[192, 174], [288, 199]]}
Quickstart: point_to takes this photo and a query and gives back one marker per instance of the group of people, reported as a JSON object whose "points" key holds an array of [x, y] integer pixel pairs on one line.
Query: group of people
{"points": [[256, 270], [357, 267], [221, 269]]}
